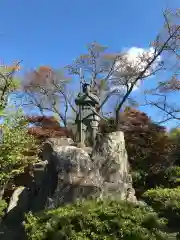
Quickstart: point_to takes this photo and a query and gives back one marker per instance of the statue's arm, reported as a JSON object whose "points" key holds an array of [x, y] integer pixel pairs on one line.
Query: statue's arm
{"points": [[96, 113], [93, 97], [80, 99]]}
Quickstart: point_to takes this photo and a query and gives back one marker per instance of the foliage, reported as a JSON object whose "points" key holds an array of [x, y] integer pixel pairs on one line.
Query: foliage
{"points": [[166, 202], [174, 134], [8, 83], [15, 143], [122, 74], [47, 89], [3, 206], [147, 144], [165, 178], [96, 220], [45, 127], [110, 74], [15, 146], [172, 177], [139, 179]]}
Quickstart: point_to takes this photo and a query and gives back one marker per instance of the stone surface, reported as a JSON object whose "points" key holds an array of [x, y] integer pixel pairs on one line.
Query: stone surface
{"points": [[72, 173], [15, 198], [114, 166], [75, 175], [68, 173], [11, 227], [62, 141], [18, 205]]}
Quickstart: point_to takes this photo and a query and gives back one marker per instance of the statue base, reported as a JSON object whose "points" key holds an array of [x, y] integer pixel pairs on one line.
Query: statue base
{"points": [[83, 146]]}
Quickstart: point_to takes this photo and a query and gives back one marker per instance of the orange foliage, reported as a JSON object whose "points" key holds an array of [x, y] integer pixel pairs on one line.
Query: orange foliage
{"points": [[148, 147], [46, 127], [39, 77], [44, 71], [14, 67], [147, 143], [45, 68], [45, 121]]}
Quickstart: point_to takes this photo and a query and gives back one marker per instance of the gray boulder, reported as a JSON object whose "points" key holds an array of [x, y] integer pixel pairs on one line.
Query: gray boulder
{"points": [[72, 173], [68, 173], [114, 167]]}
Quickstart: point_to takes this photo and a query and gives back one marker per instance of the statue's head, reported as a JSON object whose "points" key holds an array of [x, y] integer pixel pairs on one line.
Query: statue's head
{"points": [[85, 87]]}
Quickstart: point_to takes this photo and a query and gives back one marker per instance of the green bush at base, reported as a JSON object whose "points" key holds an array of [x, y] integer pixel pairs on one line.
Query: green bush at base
{"points": [[166, 202], [3, 206], [172, 177], [96, 220]]}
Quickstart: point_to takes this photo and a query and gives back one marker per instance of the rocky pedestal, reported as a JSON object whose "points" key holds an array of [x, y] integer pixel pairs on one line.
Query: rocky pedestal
{"points": [[71, 173], [114, 167], [67, 173]]}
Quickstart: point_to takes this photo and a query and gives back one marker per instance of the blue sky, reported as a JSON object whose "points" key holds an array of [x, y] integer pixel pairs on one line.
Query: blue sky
{"points": [[55, 32]]}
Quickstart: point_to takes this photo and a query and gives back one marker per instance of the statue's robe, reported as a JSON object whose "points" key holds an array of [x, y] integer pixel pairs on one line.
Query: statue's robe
{"points": [[88, 104]]}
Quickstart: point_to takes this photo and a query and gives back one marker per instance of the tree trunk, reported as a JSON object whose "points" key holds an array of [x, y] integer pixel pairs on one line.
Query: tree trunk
{"points": [[118, 121]]}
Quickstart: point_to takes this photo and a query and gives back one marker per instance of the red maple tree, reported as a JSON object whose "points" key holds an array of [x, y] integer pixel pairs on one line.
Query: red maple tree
{"points": [[45, 127]]}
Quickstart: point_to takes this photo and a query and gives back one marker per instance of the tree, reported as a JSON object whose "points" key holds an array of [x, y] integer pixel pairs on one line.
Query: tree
{"points": [[109, 73], [45, 127], [174, 134], [165, 95], [8, 82], [117, 72], [16, 145], [148, 146], [15, 141], [106, 72], [47, 90]]}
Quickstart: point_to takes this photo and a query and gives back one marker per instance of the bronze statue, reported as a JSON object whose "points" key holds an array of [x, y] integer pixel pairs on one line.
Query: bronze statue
{"points": [[88, 118]]}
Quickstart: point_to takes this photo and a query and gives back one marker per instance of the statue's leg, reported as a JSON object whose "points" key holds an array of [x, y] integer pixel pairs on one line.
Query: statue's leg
{"points": [[94, 131], [83, 136]]}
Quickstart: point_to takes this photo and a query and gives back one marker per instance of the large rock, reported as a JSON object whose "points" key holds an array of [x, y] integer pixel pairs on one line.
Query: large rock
{"points": [[62, 141], [67, 173], [11, 226], [114, 167], [71, 173], [18, 205], [77, 176], [15, 198]]}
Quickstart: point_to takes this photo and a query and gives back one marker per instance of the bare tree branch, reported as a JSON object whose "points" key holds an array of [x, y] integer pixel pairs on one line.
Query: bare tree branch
{"points": [[46, 91], [168, 90]]}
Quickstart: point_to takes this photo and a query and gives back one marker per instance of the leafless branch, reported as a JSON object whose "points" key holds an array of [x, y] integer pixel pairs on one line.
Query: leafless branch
{"points": [[44, 92]]}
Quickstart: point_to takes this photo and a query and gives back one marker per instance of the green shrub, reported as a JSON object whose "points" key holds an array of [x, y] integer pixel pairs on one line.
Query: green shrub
{"points": [[139, 178], [165, 178], [15, 145], [3, 206], [166, 202], [172, 176], [96, 220]]}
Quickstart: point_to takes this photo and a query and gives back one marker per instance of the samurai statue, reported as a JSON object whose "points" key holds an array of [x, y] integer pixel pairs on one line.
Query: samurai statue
{"points": [[88, 118]]}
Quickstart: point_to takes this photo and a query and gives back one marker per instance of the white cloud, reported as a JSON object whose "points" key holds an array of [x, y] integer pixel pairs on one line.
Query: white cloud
{"points": [[139, 58], [133, 62]]}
